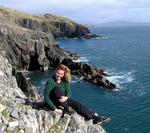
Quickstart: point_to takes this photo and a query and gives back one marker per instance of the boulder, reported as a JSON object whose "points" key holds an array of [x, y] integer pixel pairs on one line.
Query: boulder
{"points": [[92, 74]]}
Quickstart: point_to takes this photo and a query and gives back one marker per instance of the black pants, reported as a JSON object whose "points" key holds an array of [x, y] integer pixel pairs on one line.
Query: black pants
{"points": [[77, 106]]}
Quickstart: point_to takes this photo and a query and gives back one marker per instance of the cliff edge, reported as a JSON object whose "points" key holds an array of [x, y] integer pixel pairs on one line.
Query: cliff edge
{"points": [[18, 117]]}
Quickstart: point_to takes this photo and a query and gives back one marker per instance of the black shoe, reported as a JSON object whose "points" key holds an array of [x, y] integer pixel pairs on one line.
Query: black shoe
{"points": [[99, 120]]}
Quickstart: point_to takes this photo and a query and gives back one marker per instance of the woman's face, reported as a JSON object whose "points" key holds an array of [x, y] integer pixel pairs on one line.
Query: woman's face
{"points": [[59, 74]]}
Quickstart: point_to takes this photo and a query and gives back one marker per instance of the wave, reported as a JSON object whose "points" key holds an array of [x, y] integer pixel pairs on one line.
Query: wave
{"points": [[75, 79], [105, 37], [127, 84], [82, 59], [121, 78], [28, 78]]}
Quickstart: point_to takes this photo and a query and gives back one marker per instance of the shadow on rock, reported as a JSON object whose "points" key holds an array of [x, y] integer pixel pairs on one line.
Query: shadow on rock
{"points": [[39, 105]]}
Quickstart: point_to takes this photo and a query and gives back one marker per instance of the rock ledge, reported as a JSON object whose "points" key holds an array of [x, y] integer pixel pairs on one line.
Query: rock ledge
{"points": [[18, 117]]}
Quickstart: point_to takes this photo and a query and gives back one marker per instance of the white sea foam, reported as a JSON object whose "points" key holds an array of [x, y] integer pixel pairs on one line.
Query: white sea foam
{"points": [[75, 79], [105, 37], [82, 59], [121, 78], [102, 37], [27, 78]]}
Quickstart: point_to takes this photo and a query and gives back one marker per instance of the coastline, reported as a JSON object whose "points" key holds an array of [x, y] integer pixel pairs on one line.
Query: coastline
{"points": [[30, 46], [27, 49]]}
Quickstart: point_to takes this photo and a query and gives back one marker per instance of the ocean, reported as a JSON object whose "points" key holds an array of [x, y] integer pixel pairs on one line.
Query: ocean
{"points": [[124, 54]]}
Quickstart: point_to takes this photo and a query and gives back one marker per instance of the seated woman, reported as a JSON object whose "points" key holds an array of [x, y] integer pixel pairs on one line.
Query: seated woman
{"points": [[57, 95]]}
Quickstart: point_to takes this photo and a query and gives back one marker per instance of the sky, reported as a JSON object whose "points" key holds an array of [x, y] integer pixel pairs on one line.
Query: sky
{"points": [[87, 11]]}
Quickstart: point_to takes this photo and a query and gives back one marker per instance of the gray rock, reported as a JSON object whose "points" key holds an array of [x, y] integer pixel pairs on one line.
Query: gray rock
{"points": [[29, 130], [2, 108], [95, 129], [77, 125], [21, 131], [12, 126], [22, 124], [14, 113], [63, 124], [29, 90], [48, 122], [2, 127], [4, 120], [56, 117]]}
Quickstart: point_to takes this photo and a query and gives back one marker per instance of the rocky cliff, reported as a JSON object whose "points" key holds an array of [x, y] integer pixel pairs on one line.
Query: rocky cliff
{"points": [[58, 26], [27, 41], [18, 116]]}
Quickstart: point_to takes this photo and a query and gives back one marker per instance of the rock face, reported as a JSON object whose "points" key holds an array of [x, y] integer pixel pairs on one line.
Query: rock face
{"points": [[28, 41], [34, 51], [16, 116], [25, 51], [28, 89]]}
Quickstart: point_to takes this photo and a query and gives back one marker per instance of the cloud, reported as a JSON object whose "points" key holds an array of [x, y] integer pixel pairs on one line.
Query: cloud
{"points": [[86, 10]]}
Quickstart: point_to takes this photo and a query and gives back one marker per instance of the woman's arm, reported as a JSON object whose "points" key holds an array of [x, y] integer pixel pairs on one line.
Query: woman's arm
{"points": [[49, 87]]}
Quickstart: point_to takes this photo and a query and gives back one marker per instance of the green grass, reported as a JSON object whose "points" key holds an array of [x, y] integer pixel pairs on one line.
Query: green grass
{"points": [[8, 17], [41, 18]]}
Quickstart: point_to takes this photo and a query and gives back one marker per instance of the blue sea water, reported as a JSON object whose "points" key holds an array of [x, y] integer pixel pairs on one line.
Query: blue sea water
{"points": [[124, 53]]}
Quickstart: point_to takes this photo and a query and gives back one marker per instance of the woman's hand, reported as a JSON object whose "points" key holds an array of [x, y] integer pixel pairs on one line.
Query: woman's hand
{"points": [[59, 111], [63, 99]]}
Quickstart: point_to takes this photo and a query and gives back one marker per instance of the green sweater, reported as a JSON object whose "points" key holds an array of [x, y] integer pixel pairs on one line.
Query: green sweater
{"points": [[50, 85]]}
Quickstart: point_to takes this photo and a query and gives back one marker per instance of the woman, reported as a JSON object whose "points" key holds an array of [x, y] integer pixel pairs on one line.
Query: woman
{"points": [[57, 96]]}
